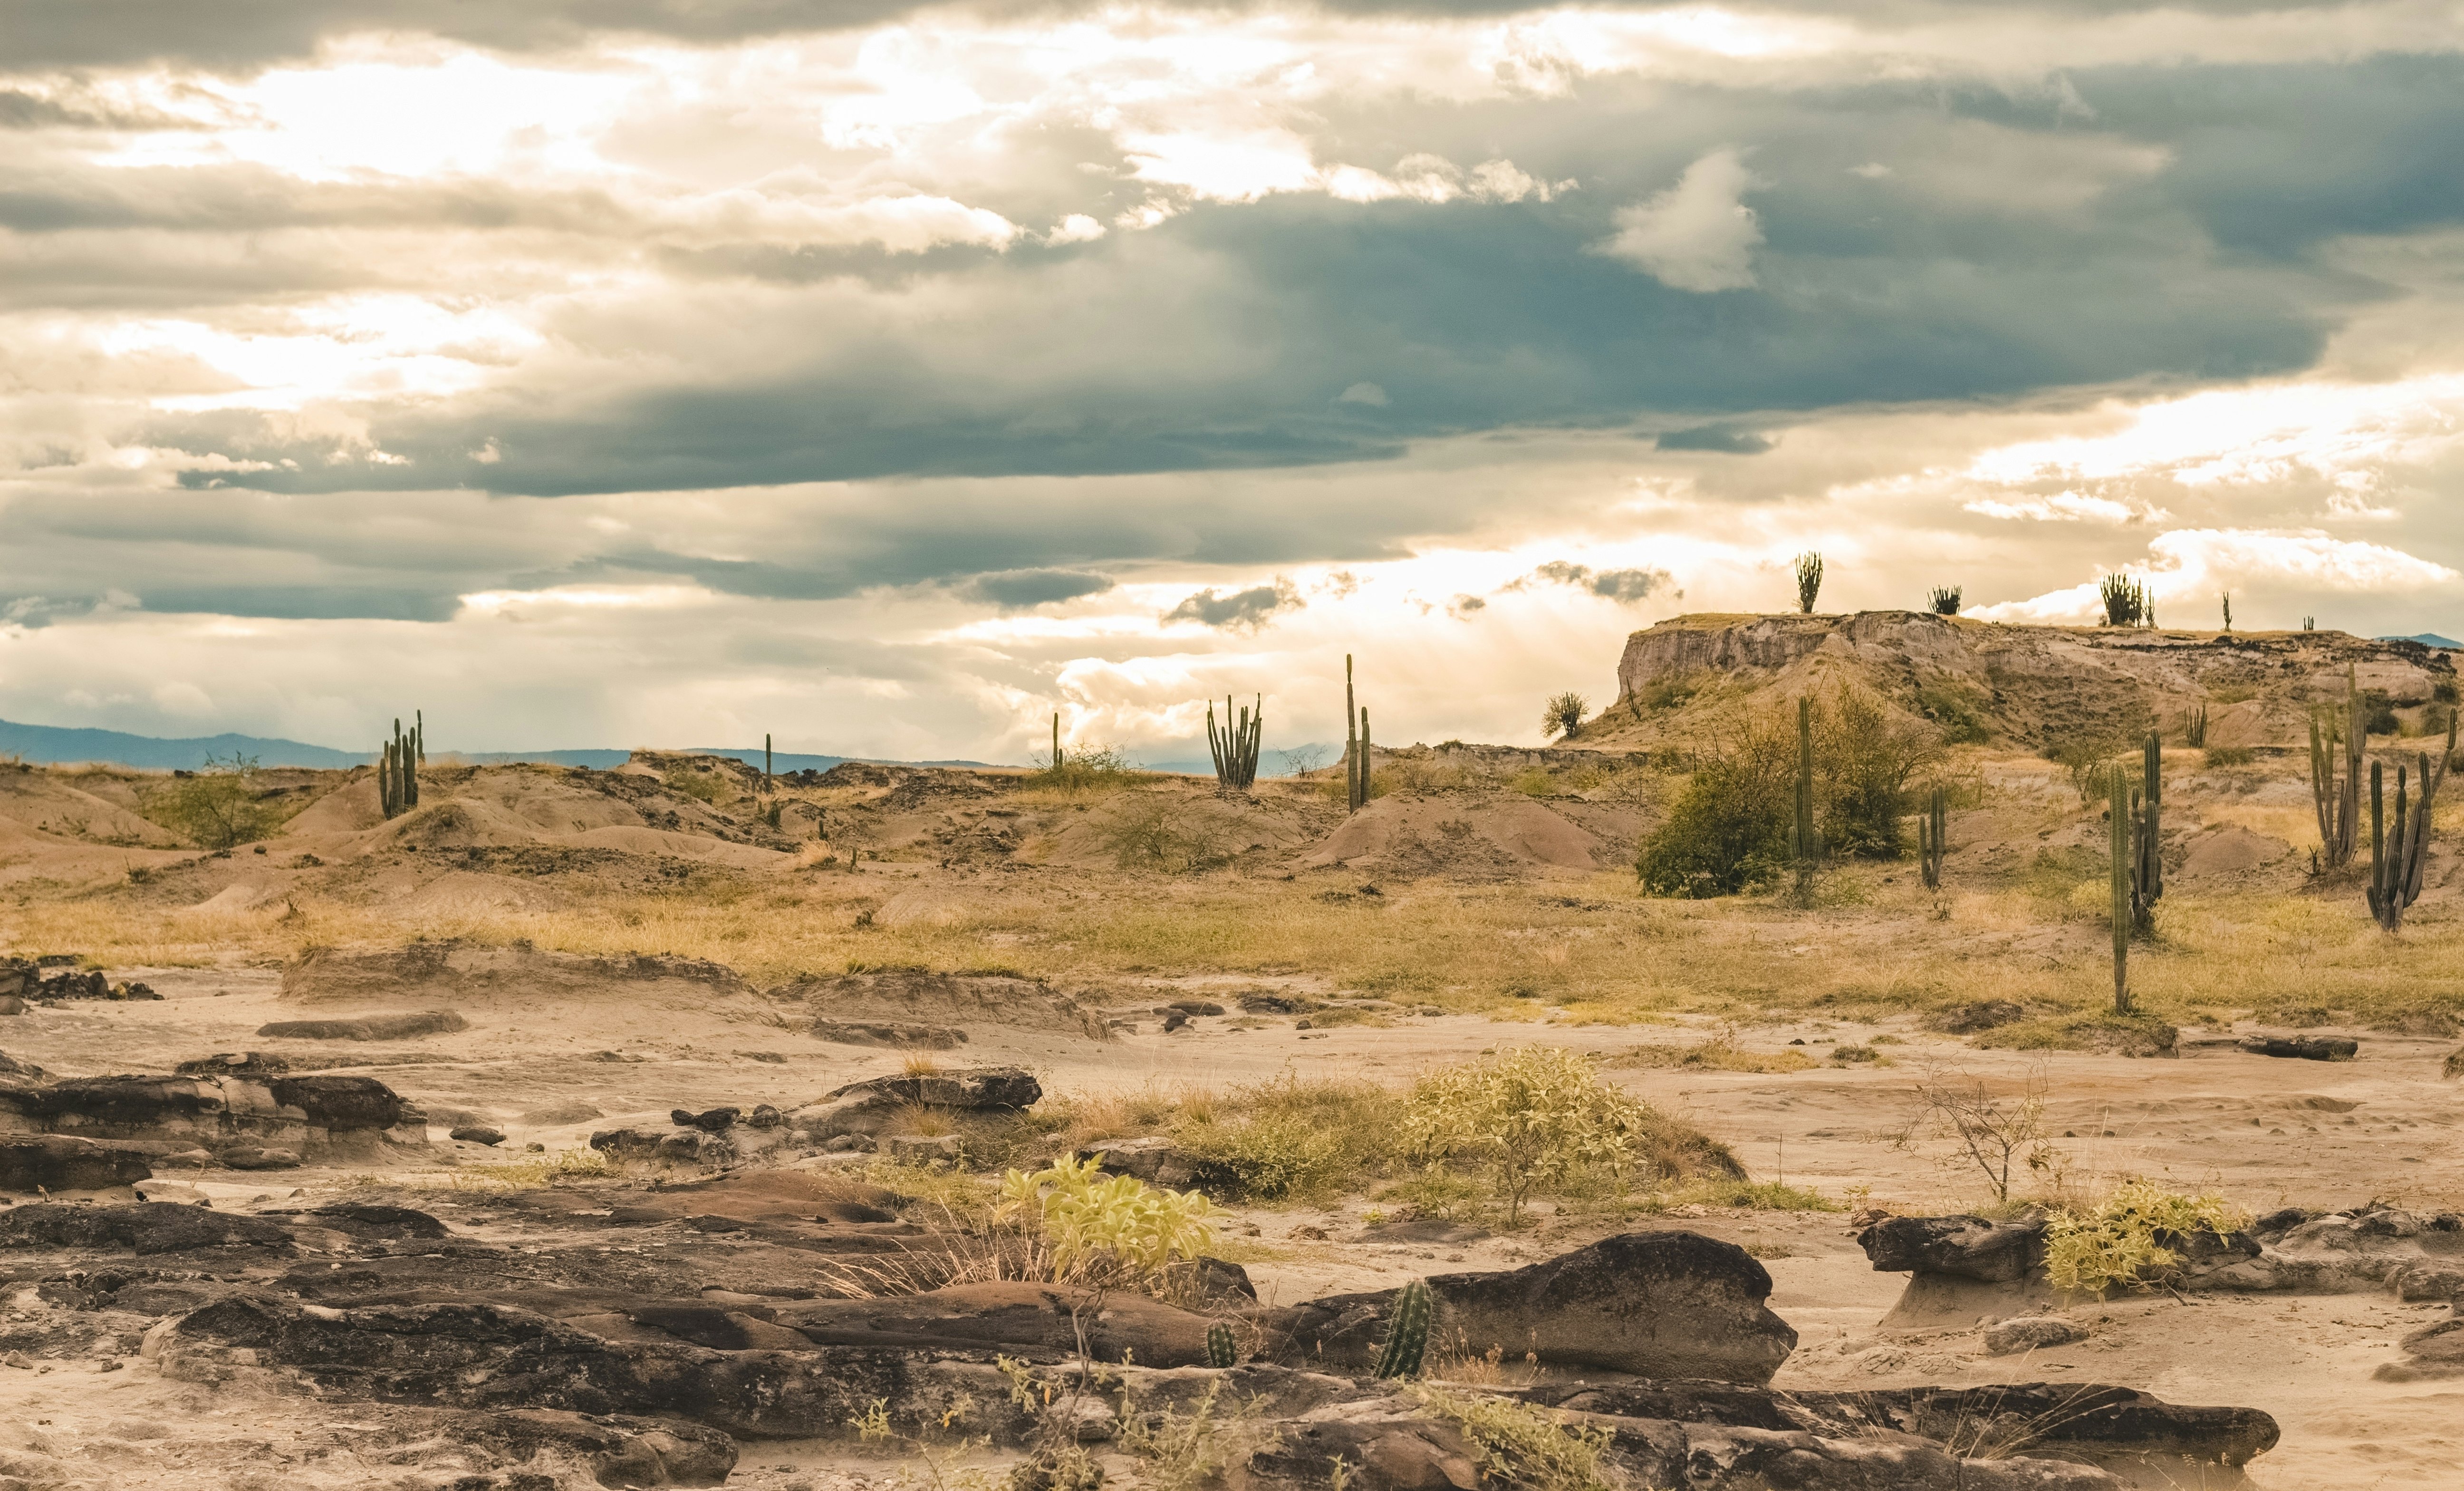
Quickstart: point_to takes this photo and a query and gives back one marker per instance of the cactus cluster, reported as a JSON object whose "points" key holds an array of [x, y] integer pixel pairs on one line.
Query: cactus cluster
{"points": [[2126, 602], [2337, 795], [2194, 726], [1356, 746], [2396, 870], [1933, 837], [1407, 1335], [1944, 600], [1236, 745], [397, 768], [1221, 1350]]}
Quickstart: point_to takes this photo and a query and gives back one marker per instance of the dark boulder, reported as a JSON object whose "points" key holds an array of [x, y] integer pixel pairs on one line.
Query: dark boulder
{"points": [[1655, 1303], [2302, 1048], [1961, 1247], [478, 1134], [716, 1121], [62, 1162], [147, 1227], [369, 1220], [343, 1102]]}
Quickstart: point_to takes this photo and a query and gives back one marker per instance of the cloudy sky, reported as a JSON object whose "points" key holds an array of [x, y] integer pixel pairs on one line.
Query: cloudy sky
{"points": [[885, 376]]}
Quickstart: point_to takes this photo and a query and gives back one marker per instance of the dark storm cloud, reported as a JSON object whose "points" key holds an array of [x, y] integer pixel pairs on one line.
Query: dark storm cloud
{"points": [[1721, 439], [1625, 587], [1238, 610], [1016, 589]]}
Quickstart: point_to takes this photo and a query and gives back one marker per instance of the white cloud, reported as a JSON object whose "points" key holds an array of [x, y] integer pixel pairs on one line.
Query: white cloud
{"points": [[2191, 566], [1698, 235], [1363, 393]]}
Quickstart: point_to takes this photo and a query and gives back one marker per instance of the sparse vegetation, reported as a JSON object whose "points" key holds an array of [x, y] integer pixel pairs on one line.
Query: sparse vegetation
{"points": [[1987, 1132], [1093, 769], [1532, 1115], [1524, 1447], [1106, 1225]]}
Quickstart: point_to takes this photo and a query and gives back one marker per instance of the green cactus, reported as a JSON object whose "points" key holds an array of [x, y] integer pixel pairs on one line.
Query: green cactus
{"points": [[1804, 839], [2118, 809], [1933, 837], [1809, 581], [1356, 746], [1407, 1337], [398, 766], [1236, 745], [1220, 1350]]}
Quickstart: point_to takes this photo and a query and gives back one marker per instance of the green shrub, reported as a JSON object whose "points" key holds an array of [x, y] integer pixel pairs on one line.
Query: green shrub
{"points": [[2116, 1242], [1088, 769], [1288, 1138], [216, 808], [1727, 830], [1089, 1217], [1562, 716], [1534, 1114]]}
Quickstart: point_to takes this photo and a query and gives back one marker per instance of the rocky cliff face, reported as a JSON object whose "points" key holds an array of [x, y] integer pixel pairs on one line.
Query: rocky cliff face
{"points": [[2020, 685]]}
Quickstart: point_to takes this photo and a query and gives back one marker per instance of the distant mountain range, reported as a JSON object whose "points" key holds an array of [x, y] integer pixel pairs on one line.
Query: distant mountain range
{"points": [[2425, 638], [50, 744]]}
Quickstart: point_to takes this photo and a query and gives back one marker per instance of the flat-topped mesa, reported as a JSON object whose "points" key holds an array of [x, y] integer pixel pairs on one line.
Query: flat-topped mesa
{"points": [[2022, 685]]}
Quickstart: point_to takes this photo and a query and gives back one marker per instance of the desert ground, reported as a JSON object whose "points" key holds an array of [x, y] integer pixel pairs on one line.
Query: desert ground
{"points": [[621, 953]]}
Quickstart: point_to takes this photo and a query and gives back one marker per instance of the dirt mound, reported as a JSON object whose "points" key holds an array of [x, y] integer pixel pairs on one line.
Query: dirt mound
{"points": [[2229, 851], [2036, 686], [917, 996], [510, 807], [460, 975], [1453, 834], [1185, 826]]}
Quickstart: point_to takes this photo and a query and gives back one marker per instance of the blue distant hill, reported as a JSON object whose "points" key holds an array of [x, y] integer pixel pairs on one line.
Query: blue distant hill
{"points": [[2425, 638], [51, 744]]}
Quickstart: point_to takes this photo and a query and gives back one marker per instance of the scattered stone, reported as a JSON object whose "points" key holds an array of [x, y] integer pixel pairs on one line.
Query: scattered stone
{"points": [[368, 1027], [2428, 1281], [1174, 1022], [476, 1134], [2030, 1333], [897, 1034], [11, 1004], [1962, 1247], [2304, 1048], [764, 1116], [1262, 1003]]}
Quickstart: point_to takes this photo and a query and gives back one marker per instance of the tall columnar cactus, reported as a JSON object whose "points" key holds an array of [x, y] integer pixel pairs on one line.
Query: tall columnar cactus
{"points": [[1933, 837], [2148, 830], [2194, 726], [1804, 839], [398, 766], [1221, 1350], [2337, 797], [2126, 603], [2119, 812], [1236, 745], [766, 785], [1407, 1335], [1055, 761], [2396, 869], [1808, 580], [2226, 598], [1356, 746]]}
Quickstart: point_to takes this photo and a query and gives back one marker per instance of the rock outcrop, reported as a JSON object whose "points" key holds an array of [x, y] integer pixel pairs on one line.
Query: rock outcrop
{"points": [[222, 1109]]}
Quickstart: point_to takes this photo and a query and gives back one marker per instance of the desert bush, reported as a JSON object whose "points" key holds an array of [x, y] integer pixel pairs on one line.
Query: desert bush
{"points": [[1563, 715], [1987, 1133], [2117, 1241], [1864, 756], [1534, 1114], [2228, 756], [701, 783], [1671, 692], [1720, 1054], [1167, 831], [1087, 1217], [2088, 761], [1090, 769], [216, 808]]}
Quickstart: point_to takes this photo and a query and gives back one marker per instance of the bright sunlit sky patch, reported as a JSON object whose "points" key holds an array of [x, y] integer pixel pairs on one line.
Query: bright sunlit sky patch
{"points": [[884, 376]]}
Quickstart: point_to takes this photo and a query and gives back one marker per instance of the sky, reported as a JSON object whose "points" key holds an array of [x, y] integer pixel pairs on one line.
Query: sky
{"points": [[886, 377]]}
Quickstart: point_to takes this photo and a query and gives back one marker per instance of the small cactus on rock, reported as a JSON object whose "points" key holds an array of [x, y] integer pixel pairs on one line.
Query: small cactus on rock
{"points": [[1221, 1349], [1407, 1338]]}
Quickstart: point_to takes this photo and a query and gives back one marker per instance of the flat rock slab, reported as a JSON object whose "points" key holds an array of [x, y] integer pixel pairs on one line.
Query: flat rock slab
{"points": [[368, 1027], [2302, 1048]]}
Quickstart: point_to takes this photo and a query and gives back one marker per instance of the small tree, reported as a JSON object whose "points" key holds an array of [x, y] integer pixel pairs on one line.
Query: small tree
{"points": [[1991, 1134], [1563, 715], [1808, 580]]}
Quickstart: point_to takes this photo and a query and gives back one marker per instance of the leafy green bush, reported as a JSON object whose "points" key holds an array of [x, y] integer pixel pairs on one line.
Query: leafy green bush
{"points": [[2117, 1241], [1089, 1217], [218, 807], [1284, 1139]]}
